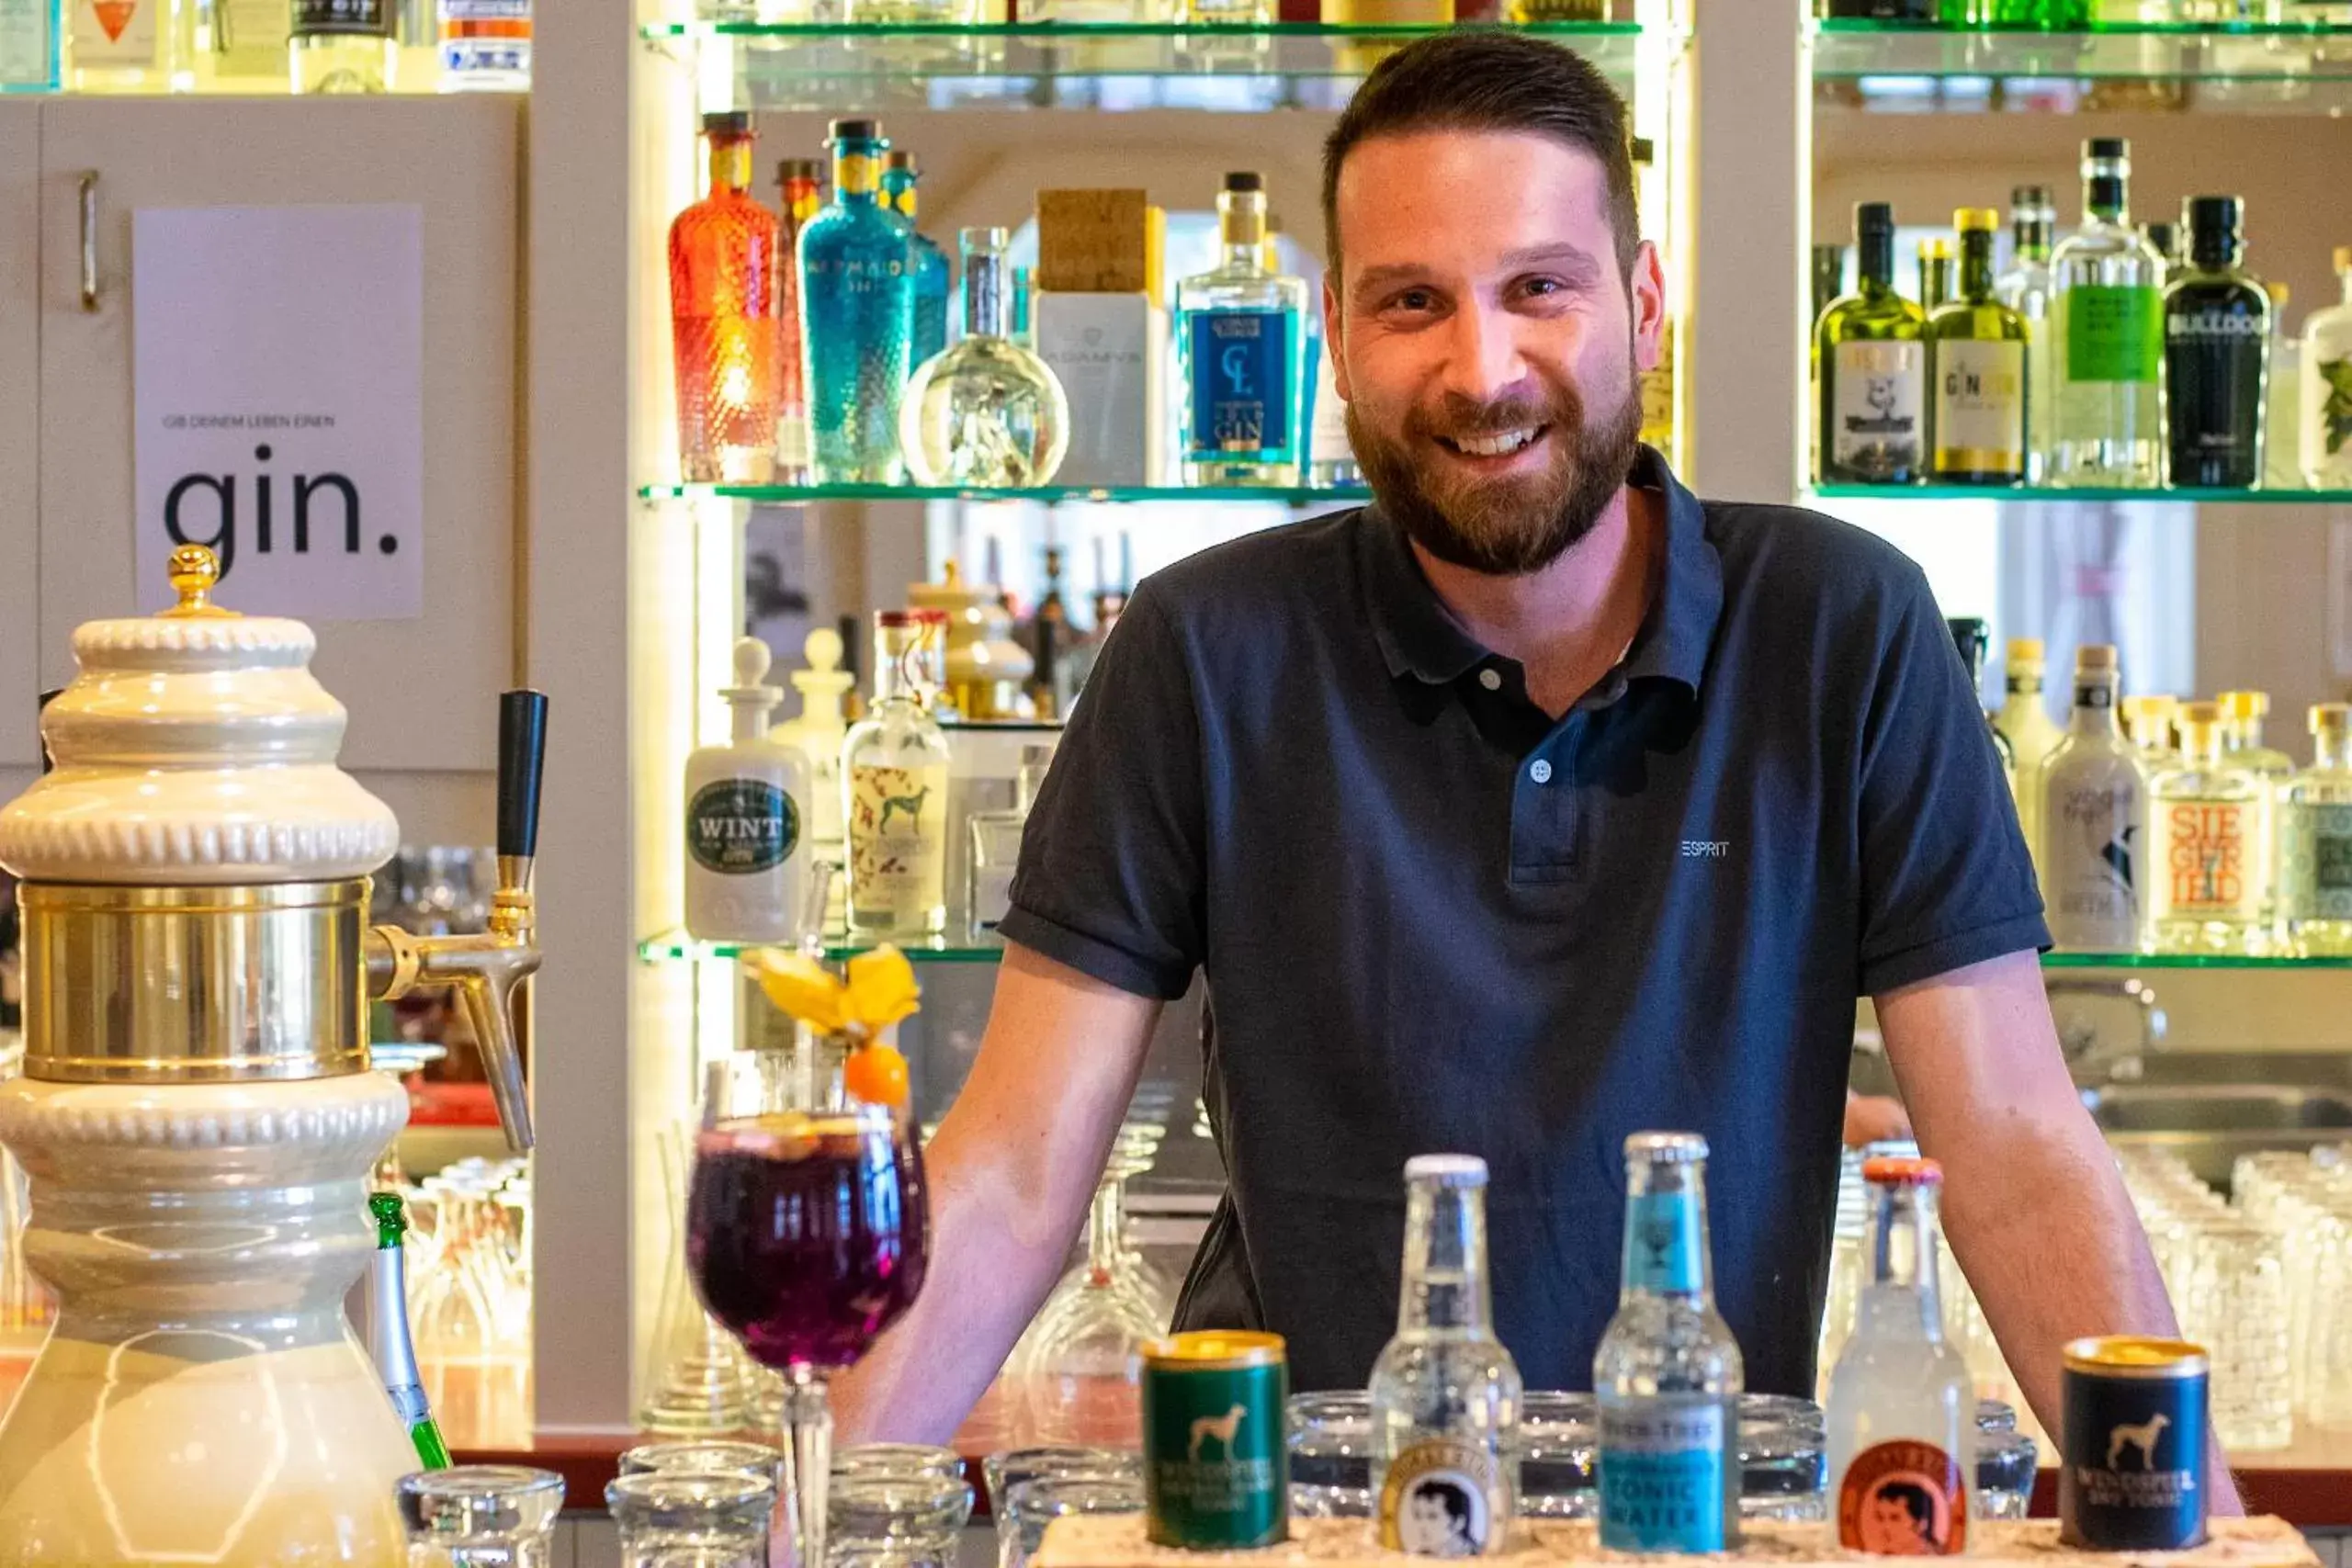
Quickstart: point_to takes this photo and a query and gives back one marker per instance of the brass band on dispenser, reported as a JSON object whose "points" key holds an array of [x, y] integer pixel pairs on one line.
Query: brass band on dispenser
{"points": [[194, 985]]}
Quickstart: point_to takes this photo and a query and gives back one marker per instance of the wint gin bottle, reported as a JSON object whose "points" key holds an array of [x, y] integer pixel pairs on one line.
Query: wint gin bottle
{"points": [[723, 255], [925, 260], [2326, 400], [894, 785], [1902, 1411], [857, 317], [2107, 331], [2093, 820], [2217, 355], [1976, 370], [1667, 1375], [1873, 369], [2028, 729], [986, 411], [2026, 288], [1444, 1392], [746, 819], [2315, 841], [1241, 352], [2206, 893]]}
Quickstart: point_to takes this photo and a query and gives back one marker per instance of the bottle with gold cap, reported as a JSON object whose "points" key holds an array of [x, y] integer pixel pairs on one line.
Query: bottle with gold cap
{"points": [[2209, 878], [2093, 820], [2315, 841], [1976, 370], [2147, 719], [2026, 724], [2243, 714]]}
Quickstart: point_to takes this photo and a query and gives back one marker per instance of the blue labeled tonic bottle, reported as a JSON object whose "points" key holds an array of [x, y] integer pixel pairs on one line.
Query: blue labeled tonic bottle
{"points": [[1241, 346], [1667, 1375], [857, 316], [933, 283]]}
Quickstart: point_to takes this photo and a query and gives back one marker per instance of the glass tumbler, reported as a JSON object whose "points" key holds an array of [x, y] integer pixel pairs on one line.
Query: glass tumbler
{"points": [[488, 1516], [685, 1519], [702, 1458], [908, 1520], [2005, 1464], [1783, 1461], [1030, 1505], [1330, 1437], [900, 1461], [1558, 1444]]}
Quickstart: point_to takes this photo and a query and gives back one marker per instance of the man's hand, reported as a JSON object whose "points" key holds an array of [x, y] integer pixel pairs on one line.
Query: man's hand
{"points": [[2033, 1203], [1011, 1173], [1874, 1119]]}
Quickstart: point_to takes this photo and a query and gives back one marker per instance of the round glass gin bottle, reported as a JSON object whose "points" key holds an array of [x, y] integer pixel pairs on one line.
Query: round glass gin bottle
{"points": [[985, 411]]}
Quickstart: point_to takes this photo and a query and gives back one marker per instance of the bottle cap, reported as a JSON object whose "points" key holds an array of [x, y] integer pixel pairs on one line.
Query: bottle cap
{"points": [[899, 158], [1969, 635], [2280, 294], [2342, 258], [854, 130], [825, 677], [1666, 1149], [2107, 147], [791, 170], [1935, 248], [1245, 179], [1873, 217], [2215, 214], [729, 123], [2244, 704], [2331, 715], [2026, 650], [1976, 220], [1888, 1170], [2096, 657], [1447, 1170], [2151, 707], [2030, 196], [750, 688], [2199, 715], [2162, 237]]}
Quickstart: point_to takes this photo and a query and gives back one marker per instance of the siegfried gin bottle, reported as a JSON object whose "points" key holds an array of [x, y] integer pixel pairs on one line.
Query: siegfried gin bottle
{"points": [[1445, 1394], [2108, 335], [857, 317], [1902, 1411], [1241, 352], [2315, 841], [1873, 369], [2206, 890], [1976, 370], [1668, 1376], [894, 785], [2093, 820], [2217, 355]]}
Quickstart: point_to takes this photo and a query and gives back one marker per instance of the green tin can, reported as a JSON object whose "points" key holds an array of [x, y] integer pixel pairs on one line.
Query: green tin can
{"points": [[1217, 1469]]}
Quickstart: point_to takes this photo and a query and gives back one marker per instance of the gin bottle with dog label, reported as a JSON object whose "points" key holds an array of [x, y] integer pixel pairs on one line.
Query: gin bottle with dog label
{"points": [[1445, 1393], [894, 785]]}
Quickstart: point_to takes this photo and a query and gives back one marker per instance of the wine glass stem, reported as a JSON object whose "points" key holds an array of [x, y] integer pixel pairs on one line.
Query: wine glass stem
{"points": [[807, 1460]]}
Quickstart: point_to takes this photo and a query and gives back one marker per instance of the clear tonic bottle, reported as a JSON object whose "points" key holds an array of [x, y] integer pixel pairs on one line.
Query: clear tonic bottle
{"points": [[1668, 1376], [1902, 1415], [1445, 1394]]}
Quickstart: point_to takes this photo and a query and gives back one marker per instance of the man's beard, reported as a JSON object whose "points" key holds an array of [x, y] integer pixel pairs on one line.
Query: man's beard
{"points": [[1509, 527]]}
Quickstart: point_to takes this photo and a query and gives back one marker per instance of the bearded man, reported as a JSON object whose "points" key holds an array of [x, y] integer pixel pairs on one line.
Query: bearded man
{"points": [[1532, 805]]}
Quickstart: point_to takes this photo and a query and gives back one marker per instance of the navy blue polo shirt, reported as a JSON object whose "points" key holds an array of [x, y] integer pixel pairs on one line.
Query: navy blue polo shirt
{"points": [[1433, 917]]}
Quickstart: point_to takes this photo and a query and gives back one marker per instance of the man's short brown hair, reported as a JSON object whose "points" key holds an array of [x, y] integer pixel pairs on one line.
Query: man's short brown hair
{"points": [[1488, 79]]}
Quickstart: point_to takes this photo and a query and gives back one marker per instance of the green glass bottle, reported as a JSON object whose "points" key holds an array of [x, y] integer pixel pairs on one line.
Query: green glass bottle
{"points": [[1873, 369], [1976, 370], [388, 1339]]}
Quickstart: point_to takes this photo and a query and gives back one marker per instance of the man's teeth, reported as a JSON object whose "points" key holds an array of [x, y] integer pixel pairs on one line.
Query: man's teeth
{"points": [[1497, 445]]}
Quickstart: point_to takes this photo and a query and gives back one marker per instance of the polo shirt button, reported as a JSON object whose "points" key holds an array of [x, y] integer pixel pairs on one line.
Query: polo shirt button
{"points": [[1540, 771], [1491, 678]]}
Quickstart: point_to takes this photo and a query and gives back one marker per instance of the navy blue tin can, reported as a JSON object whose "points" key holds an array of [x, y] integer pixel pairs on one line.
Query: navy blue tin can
{"points": [[2134, 1445]]}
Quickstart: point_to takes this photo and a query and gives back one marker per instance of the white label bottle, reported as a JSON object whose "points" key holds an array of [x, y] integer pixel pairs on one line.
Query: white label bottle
{"points": [[746, 823], [2093, 854], [1902, 1414], [2027, 725]]}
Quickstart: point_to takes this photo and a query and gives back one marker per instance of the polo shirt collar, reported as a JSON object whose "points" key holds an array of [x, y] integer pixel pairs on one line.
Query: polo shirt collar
{"points": [[1419, 637]]}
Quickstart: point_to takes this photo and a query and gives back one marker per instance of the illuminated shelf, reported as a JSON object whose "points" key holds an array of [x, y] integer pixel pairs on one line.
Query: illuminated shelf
{"points": [[2285, 53], [676, 947], [2079, 495], [2185, 961], [809, 495], [1049, 65]]}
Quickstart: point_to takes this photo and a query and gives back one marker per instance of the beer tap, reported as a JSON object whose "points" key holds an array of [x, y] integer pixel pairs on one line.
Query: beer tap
{"points": [[488, 970]]}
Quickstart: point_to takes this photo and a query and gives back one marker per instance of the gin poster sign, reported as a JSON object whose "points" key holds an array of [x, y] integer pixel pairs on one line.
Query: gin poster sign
{"points": [[278, 357]]}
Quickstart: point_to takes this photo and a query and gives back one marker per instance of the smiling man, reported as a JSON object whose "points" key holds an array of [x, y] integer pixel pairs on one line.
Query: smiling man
{"points": [[1535, 804]]}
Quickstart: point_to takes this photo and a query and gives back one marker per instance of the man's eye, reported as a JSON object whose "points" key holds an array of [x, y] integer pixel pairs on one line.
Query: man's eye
{"points": [[1414, 299], [1545, 286]]}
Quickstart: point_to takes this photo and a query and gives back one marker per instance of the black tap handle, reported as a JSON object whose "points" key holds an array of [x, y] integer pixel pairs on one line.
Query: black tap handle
{"points": [[40, 745], [522, 760]]}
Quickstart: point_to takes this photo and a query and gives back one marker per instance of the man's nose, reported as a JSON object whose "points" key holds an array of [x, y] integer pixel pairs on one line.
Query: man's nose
{"points": [[1484, 362]]}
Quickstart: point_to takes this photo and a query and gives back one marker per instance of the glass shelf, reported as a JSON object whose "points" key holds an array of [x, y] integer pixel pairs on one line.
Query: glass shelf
{"points": [[675, 947], [2288, 54], [1064, 64], [808, 495], [2084, 494]]}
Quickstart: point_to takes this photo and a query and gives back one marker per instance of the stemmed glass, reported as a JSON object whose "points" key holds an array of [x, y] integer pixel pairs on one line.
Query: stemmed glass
{"points": [[807, 1235]]}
